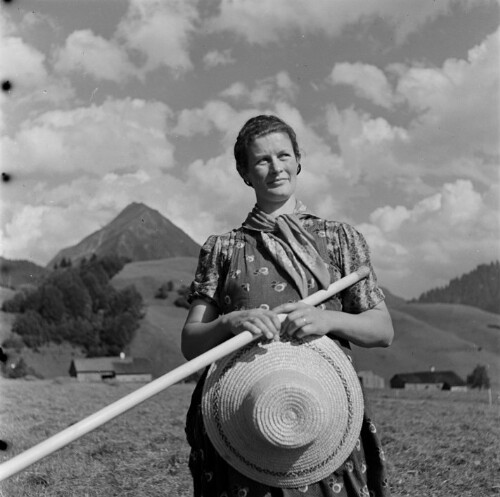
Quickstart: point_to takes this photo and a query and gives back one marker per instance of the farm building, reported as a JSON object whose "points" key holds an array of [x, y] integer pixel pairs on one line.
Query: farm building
{"points": [[370, 380], [429, 380], [126, 369]]}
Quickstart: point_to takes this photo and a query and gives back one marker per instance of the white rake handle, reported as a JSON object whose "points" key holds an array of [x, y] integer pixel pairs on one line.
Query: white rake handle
{"points": [[73, 432]]}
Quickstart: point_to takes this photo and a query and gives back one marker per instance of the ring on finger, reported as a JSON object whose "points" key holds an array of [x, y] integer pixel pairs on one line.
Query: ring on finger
{"points": [[305, 321]]}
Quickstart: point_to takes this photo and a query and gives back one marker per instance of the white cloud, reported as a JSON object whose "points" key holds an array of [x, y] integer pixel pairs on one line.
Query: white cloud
{"points": [[262, 22], [33, 86], [454, 130], [216, 58], [93, 55], [457, 105], [215, 115], [161, 32], [368, 82], [266, 91], [117, 134], [367, 145], [21, 63], [455, 228]]}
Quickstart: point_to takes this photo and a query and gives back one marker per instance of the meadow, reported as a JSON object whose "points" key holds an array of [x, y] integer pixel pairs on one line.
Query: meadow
{"points": [[437, 443]]}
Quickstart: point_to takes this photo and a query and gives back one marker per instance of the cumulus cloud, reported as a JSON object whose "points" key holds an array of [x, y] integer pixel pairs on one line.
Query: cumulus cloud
{"points": [[455, 227], [454, 128], [262, 22], [457, 106], [93, 55], [368, 82], [96, 139], [279, 87], [160, 32], [35, 87], [216, 58], [367, 145], [21, 62]]}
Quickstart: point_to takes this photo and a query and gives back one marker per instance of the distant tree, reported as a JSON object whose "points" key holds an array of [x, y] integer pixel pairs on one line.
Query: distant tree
{"points": [[117, 332], [182, 300], [479, 378], [79, 305], [162, 292], [479, 288], [32, 328], [112, 264], [51, 303], [96, 282], [13, 342], [65, 262], [128, 300], [18, 369], [15, 304], [76, 297]]}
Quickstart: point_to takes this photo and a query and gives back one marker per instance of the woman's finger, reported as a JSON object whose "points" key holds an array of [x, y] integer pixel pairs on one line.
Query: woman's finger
{"points": [[270, 326], [289, 307], [295, 322]]}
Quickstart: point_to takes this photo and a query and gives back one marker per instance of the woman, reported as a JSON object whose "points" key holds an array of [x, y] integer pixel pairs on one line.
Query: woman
{"points": [[246, 277]]}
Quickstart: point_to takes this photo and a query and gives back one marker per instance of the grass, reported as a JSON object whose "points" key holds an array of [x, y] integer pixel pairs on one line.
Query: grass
{"points": [[438, 443]]}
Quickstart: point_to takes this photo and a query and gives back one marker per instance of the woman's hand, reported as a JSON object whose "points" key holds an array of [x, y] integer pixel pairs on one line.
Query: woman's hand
{"points": [[256, 321], [370, 328], [303, 319]]}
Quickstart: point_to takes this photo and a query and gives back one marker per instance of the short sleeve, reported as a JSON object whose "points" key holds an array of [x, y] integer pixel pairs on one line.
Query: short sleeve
{"points": [[209, 272], [352, 252]]}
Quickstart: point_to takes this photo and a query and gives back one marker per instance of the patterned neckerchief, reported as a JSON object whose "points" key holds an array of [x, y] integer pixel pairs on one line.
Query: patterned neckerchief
{"points": [[290, 245]]}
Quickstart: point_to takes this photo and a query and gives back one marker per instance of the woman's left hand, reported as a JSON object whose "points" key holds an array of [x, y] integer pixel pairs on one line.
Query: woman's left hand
{"points": [[303, 319]]}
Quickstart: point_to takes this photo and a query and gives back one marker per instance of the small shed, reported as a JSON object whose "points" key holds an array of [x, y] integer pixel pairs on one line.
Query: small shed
{"points": [[124, 369], [429, 380], [371, 380]]}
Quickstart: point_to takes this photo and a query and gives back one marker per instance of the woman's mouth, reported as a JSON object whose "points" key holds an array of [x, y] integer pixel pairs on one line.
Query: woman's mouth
{"points": [[277, 181]]}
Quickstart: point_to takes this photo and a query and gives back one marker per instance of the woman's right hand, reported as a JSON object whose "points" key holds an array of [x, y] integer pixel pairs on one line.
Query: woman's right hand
{"points": [[257, 321]]}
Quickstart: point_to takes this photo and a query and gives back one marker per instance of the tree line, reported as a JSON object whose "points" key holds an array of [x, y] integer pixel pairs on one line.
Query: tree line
{"points": [[78, 305], [479, 288]]}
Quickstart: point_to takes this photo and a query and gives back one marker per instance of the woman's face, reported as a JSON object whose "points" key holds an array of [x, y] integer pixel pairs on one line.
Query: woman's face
{"points": [[272, 169]]}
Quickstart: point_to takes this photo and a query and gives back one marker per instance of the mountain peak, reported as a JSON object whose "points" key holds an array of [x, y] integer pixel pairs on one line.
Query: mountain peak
{"points": [[137, 233]]}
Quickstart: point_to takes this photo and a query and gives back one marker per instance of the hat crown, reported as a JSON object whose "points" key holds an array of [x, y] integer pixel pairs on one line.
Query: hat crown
{"points": [[256, 408], [286, 410]]}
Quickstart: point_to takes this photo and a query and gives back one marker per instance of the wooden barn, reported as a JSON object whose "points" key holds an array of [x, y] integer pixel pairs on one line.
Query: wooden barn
{"points": [[124, 369], [429, 380], [371, 380]]}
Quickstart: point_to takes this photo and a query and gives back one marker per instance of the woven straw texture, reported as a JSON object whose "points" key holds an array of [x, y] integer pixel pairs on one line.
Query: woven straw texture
{"points": [[286, 413]]}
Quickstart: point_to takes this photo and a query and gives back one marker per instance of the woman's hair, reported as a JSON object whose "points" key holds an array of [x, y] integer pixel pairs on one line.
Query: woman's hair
{"points": [[255, 128]]}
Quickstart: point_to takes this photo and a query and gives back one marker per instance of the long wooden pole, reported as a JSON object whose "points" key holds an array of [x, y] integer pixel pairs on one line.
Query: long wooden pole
{"points": [[70, 434]]}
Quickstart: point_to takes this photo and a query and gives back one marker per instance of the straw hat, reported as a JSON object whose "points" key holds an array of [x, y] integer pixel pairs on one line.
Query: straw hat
{"points": [[285, 413]]}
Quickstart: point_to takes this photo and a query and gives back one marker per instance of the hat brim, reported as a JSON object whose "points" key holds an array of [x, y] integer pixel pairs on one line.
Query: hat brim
{"points": [[229, 382]]}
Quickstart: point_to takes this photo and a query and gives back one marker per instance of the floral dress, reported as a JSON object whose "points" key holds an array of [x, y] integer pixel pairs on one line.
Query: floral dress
{"points": [[236, 272]]}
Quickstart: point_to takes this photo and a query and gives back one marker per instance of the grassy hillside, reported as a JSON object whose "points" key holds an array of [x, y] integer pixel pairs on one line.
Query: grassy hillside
{"points": [[159, 335], [420, 344], [480, 327], [443, 336], [15, 273]]}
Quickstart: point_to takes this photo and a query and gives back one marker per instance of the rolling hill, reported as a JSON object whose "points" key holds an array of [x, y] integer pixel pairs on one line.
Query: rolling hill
{"points": [[443, 336], [14, 273], [428, 335], [138, 233]]}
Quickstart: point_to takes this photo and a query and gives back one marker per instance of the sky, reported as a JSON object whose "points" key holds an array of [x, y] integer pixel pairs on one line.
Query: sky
{"points": [[395, 104]]}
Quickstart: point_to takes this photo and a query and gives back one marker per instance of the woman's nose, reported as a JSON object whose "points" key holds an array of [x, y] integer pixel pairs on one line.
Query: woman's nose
{"points": [[276, 164]]}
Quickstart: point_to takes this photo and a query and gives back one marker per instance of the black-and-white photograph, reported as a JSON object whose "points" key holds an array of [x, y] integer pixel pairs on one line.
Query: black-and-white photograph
{"points": [[250, 248]]}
